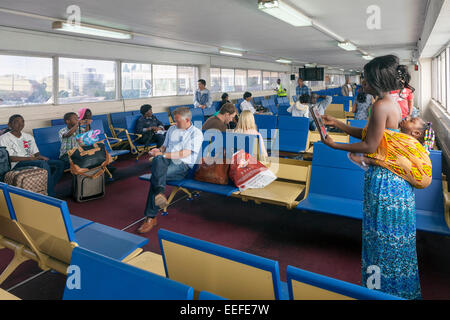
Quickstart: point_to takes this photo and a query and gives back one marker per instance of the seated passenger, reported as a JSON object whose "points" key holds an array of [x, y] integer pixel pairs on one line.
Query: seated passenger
{"points": [[202, 96], [172, 161], [85, 115], [301, 107], [321, 106], [247, 125], [246, 104], [151, 129], [23, 152], [68, 135], [221, 120]]}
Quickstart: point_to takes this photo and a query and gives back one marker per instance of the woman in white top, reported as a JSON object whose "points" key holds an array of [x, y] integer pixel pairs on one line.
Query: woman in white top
{"points": [[247, 125]]}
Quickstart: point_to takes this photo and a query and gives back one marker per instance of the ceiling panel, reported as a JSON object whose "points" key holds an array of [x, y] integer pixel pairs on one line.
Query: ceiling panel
{"points": [[238, 24]]}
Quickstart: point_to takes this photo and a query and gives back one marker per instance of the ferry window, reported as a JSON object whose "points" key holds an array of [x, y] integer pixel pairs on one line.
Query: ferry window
{"points": [[164, 80], [447, 89], [25, 80], [83, 80], [274, 76], [254, 80], [215, 80], [187, 80], [227, 80], [240, 80], [266, 80], [136, 80]]}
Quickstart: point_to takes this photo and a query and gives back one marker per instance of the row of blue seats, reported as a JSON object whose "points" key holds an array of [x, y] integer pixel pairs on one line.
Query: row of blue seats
{"points": [[44, 225], [336, 187], [48, 142], [231, 274], [335, 184]]}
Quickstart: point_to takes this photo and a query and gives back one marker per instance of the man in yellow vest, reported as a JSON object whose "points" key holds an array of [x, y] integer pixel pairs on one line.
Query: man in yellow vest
{"points": [[280, 90]]}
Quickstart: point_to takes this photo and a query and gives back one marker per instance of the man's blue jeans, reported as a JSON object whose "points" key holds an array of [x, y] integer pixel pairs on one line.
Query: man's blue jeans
{"points": [[55, 169], [163, 170]]}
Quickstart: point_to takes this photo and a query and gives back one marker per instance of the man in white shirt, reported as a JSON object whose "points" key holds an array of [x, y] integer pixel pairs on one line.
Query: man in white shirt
{"points": [[247, 105], [172, 161], [347, 89], [23, 152], [202, 96]]}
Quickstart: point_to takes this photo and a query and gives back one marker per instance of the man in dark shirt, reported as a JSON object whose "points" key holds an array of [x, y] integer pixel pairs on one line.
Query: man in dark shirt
{"points": [[222, 119], [148, 126]]}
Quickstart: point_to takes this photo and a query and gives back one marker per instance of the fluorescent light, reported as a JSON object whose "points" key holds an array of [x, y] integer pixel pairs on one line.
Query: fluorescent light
{"points": [[285, 12], [284, 61], [367, 57], [91, 30], [231, 52], [347, 46]]}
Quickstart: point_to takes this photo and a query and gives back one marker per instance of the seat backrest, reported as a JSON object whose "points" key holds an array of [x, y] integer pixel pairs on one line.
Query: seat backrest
{"points": [[266, 122], [334, 175], [8, 228], [103, 278], [130, 122], [163, 117], [216, 105], [226, 272], [305, 285], [47, 141], [432, 198], [282, 110], [57, 122], [104, 119], [46, 220], [293, 133], [197, 117], [237, 141], [118, 119]]}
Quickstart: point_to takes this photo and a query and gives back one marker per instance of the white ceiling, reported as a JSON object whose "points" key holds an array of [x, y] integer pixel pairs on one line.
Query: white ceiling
{"points": [[205, 25]]}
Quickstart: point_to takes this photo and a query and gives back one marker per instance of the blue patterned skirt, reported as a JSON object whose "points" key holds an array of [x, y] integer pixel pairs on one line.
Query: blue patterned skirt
{"points": [[389, 235]]}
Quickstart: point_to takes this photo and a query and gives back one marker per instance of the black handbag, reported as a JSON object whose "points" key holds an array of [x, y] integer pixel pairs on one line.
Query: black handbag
{"points": [[85, 158]]}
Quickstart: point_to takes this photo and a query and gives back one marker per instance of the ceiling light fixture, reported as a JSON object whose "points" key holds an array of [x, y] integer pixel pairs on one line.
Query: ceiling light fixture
{"points": [[347, 45], [230, 52], [91, 30], [281, 60], [284, 12]]}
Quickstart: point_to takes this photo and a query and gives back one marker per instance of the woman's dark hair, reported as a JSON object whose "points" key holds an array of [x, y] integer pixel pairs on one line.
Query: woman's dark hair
{"points": [[305, 98], [385, 74], [247, 95], [14, 117], [361, 97], [145, 108], [224, 96]]}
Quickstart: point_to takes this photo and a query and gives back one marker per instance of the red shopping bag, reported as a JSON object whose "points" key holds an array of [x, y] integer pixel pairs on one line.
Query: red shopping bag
{"points": [[248, 173]]}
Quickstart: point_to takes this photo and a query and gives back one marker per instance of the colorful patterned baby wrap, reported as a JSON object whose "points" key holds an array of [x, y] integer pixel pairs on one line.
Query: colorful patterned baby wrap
{"points": [[404, 156]]}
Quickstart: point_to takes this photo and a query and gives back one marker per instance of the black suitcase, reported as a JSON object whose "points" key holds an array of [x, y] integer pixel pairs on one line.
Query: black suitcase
{"points": [[87, 188]]}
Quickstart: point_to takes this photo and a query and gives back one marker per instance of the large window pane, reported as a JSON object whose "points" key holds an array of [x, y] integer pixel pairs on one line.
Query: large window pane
{"points": [[448, 79], [227, 80], [254, 80], [273, 80], [187, 80], [240, 80], [86, 80], [266, 80], [215, 79], [25, 80], [136, 80], [164, 80]]}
